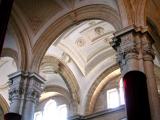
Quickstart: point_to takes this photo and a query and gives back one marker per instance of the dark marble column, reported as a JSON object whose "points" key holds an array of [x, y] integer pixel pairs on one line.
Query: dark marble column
{"points": [[135, 57]]}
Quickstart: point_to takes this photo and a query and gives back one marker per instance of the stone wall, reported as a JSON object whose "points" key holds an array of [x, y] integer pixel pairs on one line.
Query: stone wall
{"points": [[101, 102], [110, 114]]}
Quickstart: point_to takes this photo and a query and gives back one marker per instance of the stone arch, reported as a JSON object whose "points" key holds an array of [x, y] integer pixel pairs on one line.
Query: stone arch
{"points": [[65, 93], [97, 87], [103, 12], [4, 104], [59, 89], [69, 79], [21, 36], [7, 52]]}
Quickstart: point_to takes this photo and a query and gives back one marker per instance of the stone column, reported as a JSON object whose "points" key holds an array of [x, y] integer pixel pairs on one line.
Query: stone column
{"points": [[24, 92], [16, 91], [135, 57]]}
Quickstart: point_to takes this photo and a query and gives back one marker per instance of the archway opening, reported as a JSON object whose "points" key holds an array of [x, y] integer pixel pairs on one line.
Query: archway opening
{"points": [[79, 53]]}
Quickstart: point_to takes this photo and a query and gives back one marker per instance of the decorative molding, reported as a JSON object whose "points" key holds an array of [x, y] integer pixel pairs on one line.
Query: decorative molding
{"points": [[25, 85], [80, 42], [132, 44]]}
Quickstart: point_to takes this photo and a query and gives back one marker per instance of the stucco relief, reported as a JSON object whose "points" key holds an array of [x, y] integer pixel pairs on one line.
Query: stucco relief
{"points": [[80, 42], [99, 30]]}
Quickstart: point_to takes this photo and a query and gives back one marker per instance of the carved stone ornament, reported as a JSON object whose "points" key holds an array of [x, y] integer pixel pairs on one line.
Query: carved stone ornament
{"points": [[99, 30], [33, 95], [25, 85], [132, 44], [80, 42], [15, 93], [148, 53], [65, 57]]}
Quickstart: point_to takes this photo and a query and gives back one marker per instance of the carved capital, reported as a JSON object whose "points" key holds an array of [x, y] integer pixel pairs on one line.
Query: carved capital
{"points": [[148, 52], [17, 85], [35, 87], [132, 45], [33, 95], [15, 93], [25, 85]]}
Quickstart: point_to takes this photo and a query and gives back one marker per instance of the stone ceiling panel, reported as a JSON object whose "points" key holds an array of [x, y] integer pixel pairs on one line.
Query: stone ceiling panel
{"points": [[86, 42], [37, 12]]}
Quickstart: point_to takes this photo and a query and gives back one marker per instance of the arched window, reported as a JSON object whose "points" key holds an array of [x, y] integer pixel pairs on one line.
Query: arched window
{"points": [[115, 96], [52, 112], [50, 109], [62, 112], [112, 98]]}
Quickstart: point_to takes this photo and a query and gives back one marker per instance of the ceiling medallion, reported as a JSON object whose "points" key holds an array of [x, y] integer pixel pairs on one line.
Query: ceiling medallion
{"points": [[80, 42], [65, 58], [99, 30]]}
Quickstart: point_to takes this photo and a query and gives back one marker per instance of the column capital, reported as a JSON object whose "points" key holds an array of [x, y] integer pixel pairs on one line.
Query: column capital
{"points": [[26, 74], [132, 29], [25, 86], [35, 87], [36, 77], [133, 44]]}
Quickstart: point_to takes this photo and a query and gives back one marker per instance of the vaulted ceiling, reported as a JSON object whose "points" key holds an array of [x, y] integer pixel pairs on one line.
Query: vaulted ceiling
{"points": [[82, 49]]}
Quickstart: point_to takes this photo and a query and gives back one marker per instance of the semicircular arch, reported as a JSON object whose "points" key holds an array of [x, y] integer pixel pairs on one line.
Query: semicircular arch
{"points": [[58, 89], [98, 86], [89, 12], [68, 78]]}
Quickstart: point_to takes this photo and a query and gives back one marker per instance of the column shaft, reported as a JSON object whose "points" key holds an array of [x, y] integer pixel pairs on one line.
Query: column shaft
{"points": [[152, 90]]}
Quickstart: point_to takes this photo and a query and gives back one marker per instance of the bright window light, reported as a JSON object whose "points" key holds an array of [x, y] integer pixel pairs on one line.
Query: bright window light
{"points": [[121, 92], [62, 109], [112, 98], [38, 116], [52, 112]]}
